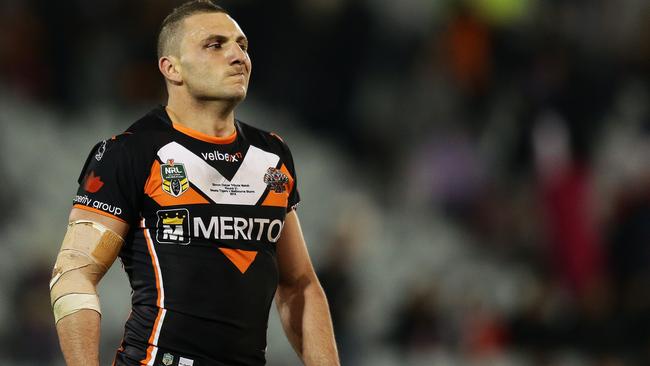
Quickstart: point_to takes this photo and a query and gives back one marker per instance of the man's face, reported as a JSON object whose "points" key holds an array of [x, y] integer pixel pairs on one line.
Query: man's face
{"points": [[213, 57]]}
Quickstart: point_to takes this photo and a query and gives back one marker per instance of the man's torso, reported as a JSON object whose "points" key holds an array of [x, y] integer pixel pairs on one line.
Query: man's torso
{"points": [[205, 214]]}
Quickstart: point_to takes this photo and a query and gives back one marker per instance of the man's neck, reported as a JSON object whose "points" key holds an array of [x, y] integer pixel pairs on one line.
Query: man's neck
{"points": [[215, 118]]}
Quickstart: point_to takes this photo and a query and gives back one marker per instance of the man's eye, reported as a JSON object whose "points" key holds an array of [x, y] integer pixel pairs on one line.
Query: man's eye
{"points": [[214, 45], [244, 47]]}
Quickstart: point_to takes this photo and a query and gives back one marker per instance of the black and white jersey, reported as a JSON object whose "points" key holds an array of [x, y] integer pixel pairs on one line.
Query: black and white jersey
{"points": [[205, 214]]}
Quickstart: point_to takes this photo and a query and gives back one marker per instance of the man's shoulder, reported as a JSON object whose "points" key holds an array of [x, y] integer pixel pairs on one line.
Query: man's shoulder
{"points": [[143, 133], [154, 121], [138, 141], [261, 138]]}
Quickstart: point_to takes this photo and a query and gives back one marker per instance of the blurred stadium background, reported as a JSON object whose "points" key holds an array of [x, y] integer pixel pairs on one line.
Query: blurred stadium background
{"points": [[475, 174]]}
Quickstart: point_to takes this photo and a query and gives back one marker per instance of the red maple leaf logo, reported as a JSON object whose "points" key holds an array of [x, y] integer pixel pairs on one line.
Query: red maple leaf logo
{"points": [[92, 183]]}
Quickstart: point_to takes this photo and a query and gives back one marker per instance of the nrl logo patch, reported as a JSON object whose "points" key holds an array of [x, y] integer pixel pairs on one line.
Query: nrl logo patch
{"points": [[174, 178], [276, 180]]}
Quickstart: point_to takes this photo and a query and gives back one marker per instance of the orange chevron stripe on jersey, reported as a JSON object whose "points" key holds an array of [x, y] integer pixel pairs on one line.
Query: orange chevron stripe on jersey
{"points": [[153, 189], [242, 259], [280, 199]]}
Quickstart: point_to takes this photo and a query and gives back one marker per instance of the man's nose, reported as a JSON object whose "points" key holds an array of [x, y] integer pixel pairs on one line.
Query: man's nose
{"points": [[236, 55]]}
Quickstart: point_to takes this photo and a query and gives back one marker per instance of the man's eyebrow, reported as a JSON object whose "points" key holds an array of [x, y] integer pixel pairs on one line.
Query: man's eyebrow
{"points": [[222, 38]]}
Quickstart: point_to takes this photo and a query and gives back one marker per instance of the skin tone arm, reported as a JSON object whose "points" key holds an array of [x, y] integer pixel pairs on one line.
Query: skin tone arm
{"points": [[300, 300], [79, 332]]}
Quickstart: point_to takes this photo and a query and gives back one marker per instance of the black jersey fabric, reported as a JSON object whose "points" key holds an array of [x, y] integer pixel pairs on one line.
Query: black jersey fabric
{"points": [[205, 214]]}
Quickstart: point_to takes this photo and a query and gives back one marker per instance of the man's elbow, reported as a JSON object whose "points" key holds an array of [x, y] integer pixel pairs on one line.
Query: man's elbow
{"points": [[305, 286], [74, 290]]}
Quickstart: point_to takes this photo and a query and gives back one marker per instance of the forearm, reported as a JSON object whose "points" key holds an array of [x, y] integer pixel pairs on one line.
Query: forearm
{"points": [[306, 320], [79, 338]]}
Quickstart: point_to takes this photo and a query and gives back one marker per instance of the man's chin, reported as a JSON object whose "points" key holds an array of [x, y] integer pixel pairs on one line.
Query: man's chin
{"points": [[234, 97], [234, 93], [237, 97]]}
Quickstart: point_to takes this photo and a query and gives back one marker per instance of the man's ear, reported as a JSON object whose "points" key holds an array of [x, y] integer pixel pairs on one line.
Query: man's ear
{"points": [[170, 67]]}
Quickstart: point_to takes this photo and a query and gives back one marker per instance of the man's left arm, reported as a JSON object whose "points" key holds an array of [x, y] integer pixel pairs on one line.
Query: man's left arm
{"points": [[300, 300]]}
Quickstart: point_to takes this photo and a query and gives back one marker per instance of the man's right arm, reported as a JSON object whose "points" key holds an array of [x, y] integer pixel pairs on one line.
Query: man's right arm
{"points": [[91, 245]]}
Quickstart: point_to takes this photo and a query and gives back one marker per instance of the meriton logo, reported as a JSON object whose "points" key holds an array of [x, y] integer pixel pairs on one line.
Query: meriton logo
{"points": [[173, 226]]}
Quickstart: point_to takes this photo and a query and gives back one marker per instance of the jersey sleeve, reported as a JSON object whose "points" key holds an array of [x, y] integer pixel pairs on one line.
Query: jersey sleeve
{"points": [[294, 195], [111, 181]]}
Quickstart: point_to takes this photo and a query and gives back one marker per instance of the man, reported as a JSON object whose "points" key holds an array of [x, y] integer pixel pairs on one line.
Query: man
{"points": [[200, 208]]}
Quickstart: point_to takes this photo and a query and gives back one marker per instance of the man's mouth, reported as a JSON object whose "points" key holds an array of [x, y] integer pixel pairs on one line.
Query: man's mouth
{"points": [[237, 73]]}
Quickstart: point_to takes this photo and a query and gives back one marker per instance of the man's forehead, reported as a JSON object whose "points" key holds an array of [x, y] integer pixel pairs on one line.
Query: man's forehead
{"points": [[200, 26]]}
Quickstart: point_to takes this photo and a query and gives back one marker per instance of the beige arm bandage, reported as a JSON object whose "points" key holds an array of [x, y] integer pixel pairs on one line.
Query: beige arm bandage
{"points": [[88, 251]]}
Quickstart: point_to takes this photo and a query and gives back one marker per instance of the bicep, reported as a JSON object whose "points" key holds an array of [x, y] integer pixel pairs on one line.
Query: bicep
{"points": [[97, 245], [294, 264], [117, 226], [90, 246]]}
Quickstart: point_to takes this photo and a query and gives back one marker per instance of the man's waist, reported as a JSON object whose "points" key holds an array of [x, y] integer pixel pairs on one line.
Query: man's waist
{"points": [[128, 355], [218, 338]]}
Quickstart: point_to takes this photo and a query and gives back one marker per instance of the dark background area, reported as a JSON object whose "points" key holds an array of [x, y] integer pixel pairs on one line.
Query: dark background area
{"points": [[475, 174]]}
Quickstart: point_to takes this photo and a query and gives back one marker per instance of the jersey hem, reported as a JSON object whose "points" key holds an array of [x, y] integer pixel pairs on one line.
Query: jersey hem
{"points": [[86, 208]]}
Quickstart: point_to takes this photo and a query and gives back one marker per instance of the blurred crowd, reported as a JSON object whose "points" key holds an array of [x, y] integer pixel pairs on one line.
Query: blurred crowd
{"points": [[487, 160]]}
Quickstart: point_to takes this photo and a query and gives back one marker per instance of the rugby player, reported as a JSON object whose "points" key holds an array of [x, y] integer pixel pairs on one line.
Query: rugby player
{"points": [[201, 210]]}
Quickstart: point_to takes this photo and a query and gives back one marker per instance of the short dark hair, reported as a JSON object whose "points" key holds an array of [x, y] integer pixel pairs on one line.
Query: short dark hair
{"points": [[169, 27]]}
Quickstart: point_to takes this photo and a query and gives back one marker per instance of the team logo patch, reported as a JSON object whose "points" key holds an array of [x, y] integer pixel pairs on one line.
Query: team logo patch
{"points": [[173, 226], [276, 180], [174, 178], [167, 359]]}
